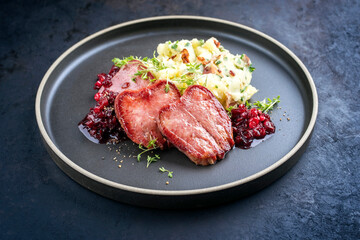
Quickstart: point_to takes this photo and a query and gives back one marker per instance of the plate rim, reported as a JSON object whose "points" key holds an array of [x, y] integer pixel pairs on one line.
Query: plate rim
{"points": [[146, 191]]}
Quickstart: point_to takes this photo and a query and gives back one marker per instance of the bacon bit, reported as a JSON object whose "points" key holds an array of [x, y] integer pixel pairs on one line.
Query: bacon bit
{"points": [[217, 44], [210, 69], [172, 57], [185, 56], [232, 73], [246, 60], [202, 60]]}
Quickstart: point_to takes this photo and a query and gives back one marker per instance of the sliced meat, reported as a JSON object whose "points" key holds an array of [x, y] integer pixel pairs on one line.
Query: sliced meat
{"points": [[199, 100], [137, 111], [184, 131], [126, 80], [198, 126]]}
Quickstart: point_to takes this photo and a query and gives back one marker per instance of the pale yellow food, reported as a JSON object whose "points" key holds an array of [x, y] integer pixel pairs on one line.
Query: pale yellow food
{"points": [[184, 63]]}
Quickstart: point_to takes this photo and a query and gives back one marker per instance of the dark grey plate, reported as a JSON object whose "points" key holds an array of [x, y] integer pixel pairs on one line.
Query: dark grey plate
{"points": [[65, 96]]}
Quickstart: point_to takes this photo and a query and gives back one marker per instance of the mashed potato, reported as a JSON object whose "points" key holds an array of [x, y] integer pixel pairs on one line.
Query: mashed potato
{"points": [[205, 63]]}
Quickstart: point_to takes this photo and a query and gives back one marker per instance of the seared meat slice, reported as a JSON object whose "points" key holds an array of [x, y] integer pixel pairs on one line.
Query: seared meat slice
{"points": [[202, 104], [137, 111], [198, 126], [126, 80], [184, 131]]}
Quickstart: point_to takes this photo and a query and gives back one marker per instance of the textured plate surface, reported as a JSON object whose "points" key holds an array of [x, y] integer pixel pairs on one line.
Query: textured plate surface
{"points": [[66, 94]]}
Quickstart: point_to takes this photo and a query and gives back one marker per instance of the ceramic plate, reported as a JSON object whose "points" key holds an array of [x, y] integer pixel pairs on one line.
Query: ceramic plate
{"points": [[66, 94]]}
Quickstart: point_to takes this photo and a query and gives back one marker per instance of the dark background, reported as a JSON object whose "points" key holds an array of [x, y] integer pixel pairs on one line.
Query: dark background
{"points": [[317, 199]]}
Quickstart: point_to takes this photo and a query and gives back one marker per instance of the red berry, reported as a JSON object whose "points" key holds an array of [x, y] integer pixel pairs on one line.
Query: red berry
{"points": [[101, 77], [262, 118], [249, 124], [253, 112], [98, 84], [96, 109], [97, 96], [262, 132]]}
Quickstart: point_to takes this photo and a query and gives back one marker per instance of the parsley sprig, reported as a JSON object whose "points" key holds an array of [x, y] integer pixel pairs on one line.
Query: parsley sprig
{"points": [[170, 174]]}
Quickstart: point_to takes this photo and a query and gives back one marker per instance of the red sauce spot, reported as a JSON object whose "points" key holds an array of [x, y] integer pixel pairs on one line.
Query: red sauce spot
{"points": [[232, 73]]}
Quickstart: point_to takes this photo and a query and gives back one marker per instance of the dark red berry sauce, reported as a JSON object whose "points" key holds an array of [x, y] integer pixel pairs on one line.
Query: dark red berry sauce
{"points": [[249, 125], [100, 125]]}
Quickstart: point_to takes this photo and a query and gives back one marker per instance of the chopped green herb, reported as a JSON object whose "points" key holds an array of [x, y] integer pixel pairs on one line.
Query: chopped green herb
{"points": [[229, 110], [187, 44], [242, 55], [216, 86], [175, 45], [251, 68], [152, 159], [201, 42], [167, 87], [170, 174], [244, 89], [217, 62]]}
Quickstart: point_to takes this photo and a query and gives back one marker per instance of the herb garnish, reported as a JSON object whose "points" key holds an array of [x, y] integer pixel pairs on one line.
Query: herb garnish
{"points": [[264, 105], [162, 169], [193, 67], [149, 147], [152, 159], [251, 68], [243, 90], [229, 110], [175, 45], [121, 62], [167, 87]]}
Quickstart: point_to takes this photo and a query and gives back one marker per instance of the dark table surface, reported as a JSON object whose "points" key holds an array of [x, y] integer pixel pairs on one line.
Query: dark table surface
{"points": [[319, 198]]}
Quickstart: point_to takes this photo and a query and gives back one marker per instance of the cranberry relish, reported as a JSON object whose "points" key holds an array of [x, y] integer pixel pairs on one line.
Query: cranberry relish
{"points": [[101, 123], [250, 124]]}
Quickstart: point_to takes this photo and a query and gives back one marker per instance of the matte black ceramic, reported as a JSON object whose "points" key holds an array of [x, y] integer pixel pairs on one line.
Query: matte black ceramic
{"points": [[66, 94]]}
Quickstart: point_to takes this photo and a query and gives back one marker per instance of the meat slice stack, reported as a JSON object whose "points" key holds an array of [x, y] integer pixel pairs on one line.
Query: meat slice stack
{"points": [[137, 111], [198, 126]]}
